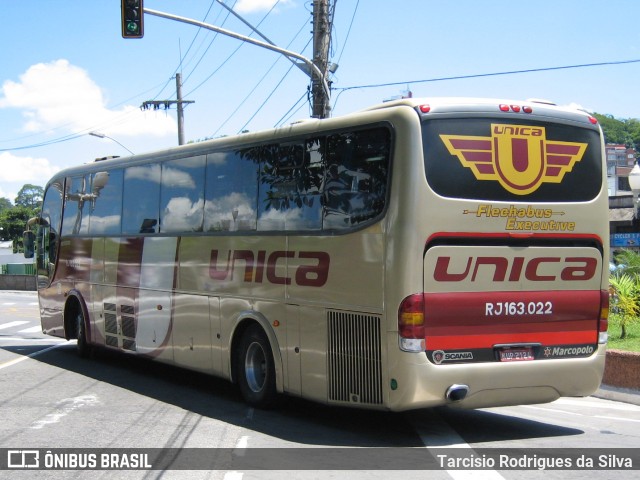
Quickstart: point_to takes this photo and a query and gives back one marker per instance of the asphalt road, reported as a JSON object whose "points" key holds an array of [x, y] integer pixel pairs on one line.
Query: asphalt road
{"points": [[51, 399]]}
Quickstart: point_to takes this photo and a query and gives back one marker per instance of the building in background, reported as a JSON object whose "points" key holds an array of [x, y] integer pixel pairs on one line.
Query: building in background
{"points": [[623, 224]]}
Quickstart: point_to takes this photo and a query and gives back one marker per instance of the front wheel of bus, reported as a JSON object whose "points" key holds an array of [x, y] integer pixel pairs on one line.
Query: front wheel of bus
{"points": [[256, 370], [84, 349]]}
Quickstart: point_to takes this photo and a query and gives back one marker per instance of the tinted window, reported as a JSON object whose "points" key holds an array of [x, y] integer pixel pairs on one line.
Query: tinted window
{"points": [[290, 180], [49, 231], [106, 211], [141, 199], [182, 195], [491, 159], [231, 191], [76, 206], [356, 178]]}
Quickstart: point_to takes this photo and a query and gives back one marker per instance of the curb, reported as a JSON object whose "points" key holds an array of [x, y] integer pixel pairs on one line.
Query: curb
{"points": [[626, 395], [621, 378]]}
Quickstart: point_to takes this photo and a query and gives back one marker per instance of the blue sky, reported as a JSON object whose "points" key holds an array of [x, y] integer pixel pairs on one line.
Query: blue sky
{"points": [[65, 70]]}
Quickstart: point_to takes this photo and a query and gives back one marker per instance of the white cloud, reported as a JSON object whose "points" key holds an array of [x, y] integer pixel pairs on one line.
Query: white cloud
{"points": [[17, 171], [58, 94], [25, 169], [250, 6]]}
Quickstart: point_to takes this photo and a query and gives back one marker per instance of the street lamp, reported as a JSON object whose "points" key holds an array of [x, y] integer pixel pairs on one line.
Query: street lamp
{"points": [[634, 183], [102, 135]]}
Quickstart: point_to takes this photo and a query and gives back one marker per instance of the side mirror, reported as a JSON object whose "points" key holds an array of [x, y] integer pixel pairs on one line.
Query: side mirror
{"points": [[29, 242]]}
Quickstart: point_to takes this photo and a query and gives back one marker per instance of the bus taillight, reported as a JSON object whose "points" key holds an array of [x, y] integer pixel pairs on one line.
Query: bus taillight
{"points": [[411, 323], [603, 320]]}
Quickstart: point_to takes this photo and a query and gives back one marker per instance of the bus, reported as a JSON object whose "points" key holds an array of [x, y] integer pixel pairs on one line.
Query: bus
{"points": [[422, 252]]}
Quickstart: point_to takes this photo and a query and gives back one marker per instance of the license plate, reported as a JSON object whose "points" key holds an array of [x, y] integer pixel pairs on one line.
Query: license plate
{"points": [[516, 354]]}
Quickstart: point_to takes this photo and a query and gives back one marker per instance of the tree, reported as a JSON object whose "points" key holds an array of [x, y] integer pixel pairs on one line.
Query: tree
{"points": [[5, 204], [14, 221], [625, 131], [625, 282], [627, 300], [30, 196], [629, 262]]}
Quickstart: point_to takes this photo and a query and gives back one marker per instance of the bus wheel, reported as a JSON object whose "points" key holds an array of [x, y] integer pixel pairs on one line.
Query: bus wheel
{"points": [[256, 370], [84, 349]]}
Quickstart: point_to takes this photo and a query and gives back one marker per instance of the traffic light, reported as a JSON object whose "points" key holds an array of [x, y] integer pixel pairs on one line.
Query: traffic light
{"points": [[132, 14]]}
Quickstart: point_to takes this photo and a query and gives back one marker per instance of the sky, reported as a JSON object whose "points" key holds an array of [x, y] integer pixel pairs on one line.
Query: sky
{"points": [[66, 71]]}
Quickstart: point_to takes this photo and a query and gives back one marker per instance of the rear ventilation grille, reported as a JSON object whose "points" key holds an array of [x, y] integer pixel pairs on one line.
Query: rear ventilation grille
{"points": [[355, 363]]}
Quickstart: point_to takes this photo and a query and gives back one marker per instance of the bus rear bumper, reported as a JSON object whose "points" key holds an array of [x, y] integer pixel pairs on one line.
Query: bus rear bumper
{"points": [[420, 384]]}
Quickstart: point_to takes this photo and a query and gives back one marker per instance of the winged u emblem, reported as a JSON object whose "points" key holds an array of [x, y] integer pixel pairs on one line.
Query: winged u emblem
{"points": [[519, 157]]}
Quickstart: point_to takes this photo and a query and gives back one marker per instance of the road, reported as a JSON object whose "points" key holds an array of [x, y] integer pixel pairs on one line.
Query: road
{"points": [[52, 399]]}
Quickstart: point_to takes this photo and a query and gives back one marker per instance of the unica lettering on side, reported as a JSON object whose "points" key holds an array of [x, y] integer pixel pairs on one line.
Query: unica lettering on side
{"points": [[519, 157], [272, 267]]}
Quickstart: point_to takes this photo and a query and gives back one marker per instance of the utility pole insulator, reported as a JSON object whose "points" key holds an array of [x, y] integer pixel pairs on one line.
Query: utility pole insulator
{"points": [[156, 104]]}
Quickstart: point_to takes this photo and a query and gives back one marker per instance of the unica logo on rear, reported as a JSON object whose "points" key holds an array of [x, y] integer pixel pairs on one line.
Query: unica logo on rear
{"points": [[462, 268], [519, 157], [516, 269]]}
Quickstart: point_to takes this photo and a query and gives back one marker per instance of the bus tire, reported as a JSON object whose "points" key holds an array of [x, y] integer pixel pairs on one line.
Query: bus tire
{"points": [[256, 369], [83, 347]]}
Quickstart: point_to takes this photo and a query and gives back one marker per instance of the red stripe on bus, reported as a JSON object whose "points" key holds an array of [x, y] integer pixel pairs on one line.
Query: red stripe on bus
{"points": [[461, 341], [483, 319]]}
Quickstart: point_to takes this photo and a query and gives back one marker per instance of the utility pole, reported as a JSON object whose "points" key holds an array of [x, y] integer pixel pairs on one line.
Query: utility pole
{"points": [[156, 104], [321, 38]]}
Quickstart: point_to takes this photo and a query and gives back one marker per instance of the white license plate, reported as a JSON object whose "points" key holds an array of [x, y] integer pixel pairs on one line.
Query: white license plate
{"points": [[516, 354]]}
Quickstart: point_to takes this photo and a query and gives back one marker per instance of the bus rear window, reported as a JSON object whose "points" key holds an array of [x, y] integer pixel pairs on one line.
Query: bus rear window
{"points": [[500, 160]]}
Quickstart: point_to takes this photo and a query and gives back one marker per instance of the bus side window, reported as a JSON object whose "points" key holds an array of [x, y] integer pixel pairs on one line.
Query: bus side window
{"points": [[106, 202], [231, 191], [289, 191], [76, 207], [48, 235], [182, 195], [356, 180], [141, 199]]}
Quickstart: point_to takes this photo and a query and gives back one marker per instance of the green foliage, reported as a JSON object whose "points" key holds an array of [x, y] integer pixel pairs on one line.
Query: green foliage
{"points": [[625, 131], [13, 219], [5, 204], [30, 196], [630, 261], [631, 343], [625, 282]]}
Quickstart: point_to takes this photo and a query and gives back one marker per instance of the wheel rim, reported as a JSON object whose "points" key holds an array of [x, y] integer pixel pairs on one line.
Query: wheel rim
{"points": [[255, 367]]}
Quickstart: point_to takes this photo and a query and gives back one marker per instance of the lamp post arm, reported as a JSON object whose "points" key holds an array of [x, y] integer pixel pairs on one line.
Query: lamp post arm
{"points": [[237, 36]]}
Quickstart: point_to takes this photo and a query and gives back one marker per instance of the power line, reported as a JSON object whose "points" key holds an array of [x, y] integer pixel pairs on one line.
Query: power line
{"points": [[172, 76], [266, 99], [353, 17], [493, 74], [229, 57], [259, 82], [344, 89], [285, 118], [215, 36]]}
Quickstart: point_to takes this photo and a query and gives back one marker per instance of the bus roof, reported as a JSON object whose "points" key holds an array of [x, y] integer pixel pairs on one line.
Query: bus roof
{"points": [[472, 105], [427, 105]]}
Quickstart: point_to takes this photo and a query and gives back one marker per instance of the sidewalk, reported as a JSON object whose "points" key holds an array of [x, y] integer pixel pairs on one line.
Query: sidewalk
{"points": [[626, 395]]}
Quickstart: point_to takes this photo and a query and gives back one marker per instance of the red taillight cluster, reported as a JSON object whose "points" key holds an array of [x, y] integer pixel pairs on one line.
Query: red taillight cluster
{"points": [[515, 108], [603, 319], [411, 317]]}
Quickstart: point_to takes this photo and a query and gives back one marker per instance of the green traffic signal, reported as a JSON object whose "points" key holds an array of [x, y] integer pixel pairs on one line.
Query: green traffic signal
{"points": [[132, 17], [132, 27]]}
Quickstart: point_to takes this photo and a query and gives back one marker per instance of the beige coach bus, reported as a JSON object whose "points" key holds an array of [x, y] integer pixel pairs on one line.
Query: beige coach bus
{"points": [[419, 253]]}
